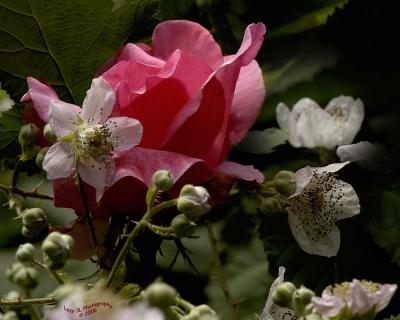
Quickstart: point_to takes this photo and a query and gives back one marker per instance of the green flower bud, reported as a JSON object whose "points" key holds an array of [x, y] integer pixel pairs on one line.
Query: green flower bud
{"points": [[28, 136], [34, 222], [26, 277], [285, 183], [163, 180], [49, 133], [40, 157], [57, 249], [183, 226], [12, 269], [193, 201], [270, 206], [301, 298], [204, 309], [10, 315], [25, 252], [160, 295], [283, 293], [129, 292]]}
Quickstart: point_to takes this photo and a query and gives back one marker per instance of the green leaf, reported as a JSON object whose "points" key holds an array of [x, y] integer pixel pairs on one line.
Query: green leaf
{"points": [[384, 223], [263, 142], [62, 42], [10, 123], [308, 21], [174, 9]]}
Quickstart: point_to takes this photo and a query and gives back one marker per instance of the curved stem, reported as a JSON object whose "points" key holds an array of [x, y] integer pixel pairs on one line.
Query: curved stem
{"points": [[220, 272], [134, 233], [27, 302], [86, 212], [184, 304]]}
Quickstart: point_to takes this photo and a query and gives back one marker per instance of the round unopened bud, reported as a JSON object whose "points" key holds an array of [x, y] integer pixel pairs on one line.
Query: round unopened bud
{"points": [[26, 277], [183, 226], [49, 133], [10, 315], [25, 252], [283, 293], [163, 180], [12, 269], [40, 157], [57, 249], [34, 222], [193, 201], [270, 206], [285, 183], [204, 309], [160, 295], [301, 298], [28, 134]]}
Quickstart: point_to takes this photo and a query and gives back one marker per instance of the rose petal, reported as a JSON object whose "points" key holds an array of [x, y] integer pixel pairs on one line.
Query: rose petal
{"points": [[236, 170], [41, 95], [99, 101], [247, 101], [59, 162], [63, 117], [125, 132], [189, 37]]}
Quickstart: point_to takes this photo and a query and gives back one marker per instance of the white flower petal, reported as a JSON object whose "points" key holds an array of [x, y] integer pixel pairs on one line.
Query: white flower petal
{"points": [[348, 204], [302, 176], [271, 311], [287, 123], [384, 295], [99, 101], [125, 132], [361, 151], [62, 117], [328, 305], [140, 311], [351, 116], [331, 168], [301, 224], [59, 162], [360, 300], [5, 102], [98, 174]]}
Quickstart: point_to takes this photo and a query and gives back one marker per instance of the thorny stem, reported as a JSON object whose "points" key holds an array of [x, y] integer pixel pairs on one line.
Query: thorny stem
{"points": [[86, 212], [26, 194], [220, 271], [27, 302], [134, 233]]}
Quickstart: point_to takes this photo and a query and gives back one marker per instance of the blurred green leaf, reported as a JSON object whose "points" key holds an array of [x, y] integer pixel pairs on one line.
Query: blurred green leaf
{"points": [[62, 42], [263, 142], [384, 223], [308, 21], [10, 123], [174, 9]]}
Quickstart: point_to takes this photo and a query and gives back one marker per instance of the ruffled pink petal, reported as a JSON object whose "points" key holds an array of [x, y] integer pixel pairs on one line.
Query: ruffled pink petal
{"points": [[139, 52], [142, 163], [247, 102], [236, 170], [203, 136], [62, 117], [189, 37], [125, 132], [59, 162], [166, 101], [41, 95], [99, 101]]}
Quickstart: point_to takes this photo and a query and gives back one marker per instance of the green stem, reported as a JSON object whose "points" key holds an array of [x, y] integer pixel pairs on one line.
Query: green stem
{"points": [[25, 194], [134, 233], [220, 272], [184, 304], [86, 212], [27, 302], [15, 174]]}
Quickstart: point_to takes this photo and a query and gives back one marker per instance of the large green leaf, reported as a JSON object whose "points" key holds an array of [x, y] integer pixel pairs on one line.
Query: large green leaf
{"points": [[307, 21], [384, 223], [10, 123], [62, 42]]}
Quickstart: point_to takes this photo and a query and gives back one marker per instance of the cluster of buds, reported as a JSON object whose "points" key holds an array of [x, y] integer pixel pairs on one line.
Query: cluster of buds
{"points": [[57, 250], [23, 275], [274, 193], [34, 222]]}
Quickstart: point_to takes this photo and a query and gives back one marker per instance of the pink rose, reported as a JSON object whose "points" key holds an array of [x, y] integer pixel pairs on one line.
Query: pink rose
{"points": [[193, 103]]}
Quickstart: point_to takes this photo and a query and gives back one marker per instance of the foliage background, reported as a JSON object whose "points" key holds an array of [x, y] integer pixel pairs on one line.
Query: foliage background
{"points": [[313, 48]]}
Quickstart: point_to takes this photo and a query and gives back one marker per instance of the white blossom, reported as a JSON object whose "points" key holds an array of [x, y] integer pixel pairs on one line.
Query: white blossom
{"points": [[360, 297], [320, 200], [273, 312], [88, 138], [310, 126]]}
